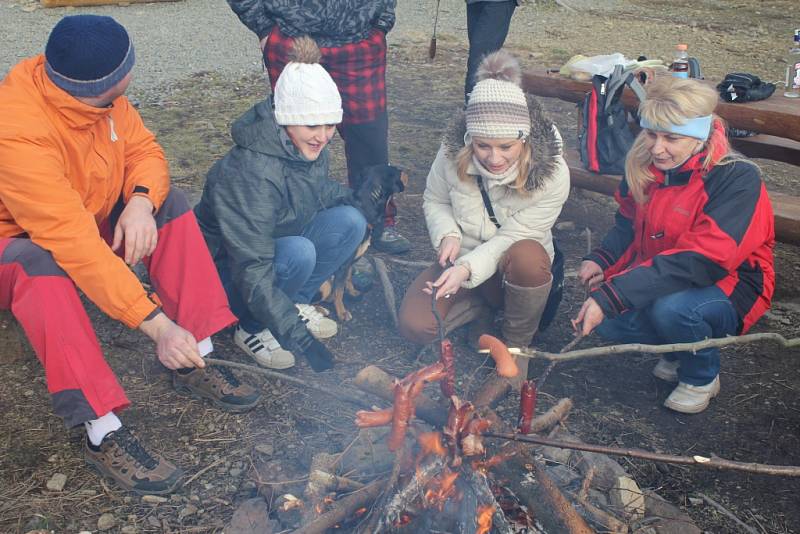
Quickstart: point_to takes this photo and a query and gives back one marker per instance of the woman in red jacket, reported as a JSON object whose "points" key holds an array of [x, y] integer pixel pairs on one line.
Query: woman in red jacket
{"points": [[690, 254]]}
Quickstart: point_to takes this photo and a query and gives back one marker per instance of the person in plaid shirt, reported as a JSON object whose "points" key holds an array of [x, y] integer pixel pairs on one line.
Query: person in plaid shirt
{"points": [[351, 35]]}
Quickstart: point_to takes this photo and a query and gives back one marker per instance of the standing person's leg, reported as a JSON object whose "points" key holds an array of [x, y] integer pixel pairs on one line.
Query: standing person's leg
{"points": [[487, 28], [689, 316], [416, 320], [359, 70], [81, 384]]}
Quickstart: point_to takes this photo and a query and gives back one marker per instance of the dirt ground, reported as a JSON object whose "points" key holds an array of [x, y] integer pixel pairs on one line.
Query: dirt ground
{"points": [[756, 417]]}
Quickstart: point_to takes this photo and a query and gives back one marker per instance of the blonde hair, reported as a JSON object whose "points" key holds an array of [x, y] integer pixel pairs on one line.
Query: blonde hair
{"points": [[524, 163], [672, 100]]}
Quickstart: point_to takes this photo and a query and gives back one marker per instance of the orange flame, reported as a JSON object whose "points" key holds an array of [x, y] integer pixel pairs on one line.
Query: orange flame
{"points": [[485, 519], [431, 443], [441, 488], [361, 511]]}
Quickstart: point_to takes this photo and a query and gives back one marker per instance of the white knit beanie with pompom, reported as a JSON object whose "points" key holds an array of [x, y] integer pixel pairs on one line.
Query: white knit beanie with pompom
{"points": [[305, 94], [497, 107]]}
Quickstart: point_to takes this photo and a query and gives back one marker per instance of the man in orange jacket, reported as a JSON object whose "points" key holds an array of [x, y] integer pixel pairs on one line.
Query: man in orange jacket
{"points": [[84, 194]]}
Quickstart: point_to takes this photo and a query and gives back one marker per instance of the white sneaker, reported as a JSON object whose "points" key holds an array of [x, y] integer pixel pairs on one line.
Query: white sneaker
{"points": [[264, 348], [667, 370], [692, 399], [320, 326]]}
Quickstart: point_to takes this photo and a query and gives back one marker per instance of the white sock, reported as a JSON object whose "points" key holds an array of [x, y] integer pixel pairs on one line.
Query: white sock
{"points": [[205, 347], [97, 429]]}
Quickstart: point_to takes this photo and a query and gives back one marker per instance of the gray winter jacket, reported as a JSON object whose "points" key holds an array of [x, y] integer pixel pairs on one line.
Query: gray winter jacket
{"points": [[263, 189], [328, 22]]}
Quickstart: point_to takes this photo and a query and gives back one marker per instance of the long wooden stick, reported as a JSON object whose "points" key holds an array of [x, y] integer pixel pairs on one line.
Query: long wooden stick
{"points": [[388, 289], [657, 349], [563, 510], [699, 461], [336, 393], [727, 513]]}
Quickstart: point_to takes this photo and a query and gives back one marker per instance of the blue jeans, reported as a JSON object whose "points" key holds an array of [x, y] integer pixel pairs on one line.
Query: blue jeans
{"points": [[682, 317], [303, 262]]}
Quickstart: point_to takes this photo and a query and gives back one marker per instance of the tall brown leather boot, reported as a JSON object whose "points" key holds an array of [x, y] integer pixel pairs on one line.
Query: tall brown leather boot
{"points": [[524, 307]]}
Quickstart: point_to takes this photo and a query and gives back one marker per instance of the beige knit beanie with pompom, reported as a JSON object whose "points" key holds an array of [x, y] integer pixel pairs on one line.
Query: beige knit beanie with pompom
{"points": [[497, 107], [305, 94]]}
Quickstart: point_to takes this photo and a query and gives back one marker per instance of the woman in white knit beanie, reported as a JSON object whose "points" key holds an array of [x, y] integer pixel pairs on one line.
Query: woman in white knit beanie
{"points": [[275, 222], [492, 196]]}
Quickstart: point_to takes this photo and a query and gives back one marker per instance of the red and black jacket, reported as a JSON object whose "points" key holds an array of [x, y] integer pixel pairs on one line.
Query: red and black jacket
{"points": [[697, 228]]}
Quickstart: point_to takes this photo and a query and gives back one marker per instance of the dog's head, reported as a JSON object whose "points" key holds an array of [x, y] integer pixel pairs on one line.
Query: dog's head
{"points": [[378, 184]]}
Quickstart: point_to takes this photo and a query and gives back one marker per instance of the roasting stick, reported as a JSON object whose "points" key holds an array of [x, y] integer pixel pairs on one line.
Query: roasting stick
{"points": [[609, 350], [335, 393], [712, 462]]}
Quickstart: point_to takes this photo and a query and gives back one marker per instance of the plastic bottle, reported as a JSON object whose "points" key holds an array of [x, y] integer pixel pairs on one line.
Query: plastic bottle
{"points": [[680, 63], [793, 69]]}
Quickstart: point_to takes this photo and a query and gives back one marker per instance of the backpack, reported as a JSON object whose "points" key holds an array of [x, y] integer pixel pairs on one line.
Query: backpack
{"points": [[604, 135]]}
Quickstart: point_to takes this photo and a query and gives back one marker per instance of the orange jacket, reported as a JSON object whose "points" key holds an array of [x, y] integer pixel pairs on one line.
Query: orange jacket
{"points": [[63, 167]]}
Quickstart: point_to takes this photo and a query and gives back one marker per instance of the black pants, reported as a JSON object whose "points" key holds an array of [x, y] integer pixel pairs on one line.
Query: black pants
{"points": [[367, 144], [487, 28]]}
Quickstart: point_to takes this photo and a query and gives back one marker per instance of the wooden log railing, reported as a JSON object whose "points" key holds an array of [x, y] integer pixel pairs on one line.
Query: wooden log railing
{"points": [[777, 119]]}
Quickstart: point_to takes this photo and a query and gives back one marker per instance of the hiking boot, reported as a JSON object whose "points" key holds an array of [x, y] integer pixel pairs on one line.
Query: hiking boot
{"points": [[390, 241], [667, 370], [217, 384], [263, 348], [687, 398], [362, 275], [123, 458], [320, 326]]}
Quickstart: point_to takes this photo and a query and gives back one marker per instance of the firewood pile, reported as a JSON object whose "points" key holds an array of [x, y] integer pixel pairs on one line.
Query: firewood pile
{"points": [[422, 465]]}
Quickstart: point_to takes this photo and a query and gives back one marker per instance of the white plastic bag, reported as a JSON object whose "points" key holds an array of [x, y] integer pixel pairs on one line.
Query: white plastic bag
{"points": [[602, 65]]}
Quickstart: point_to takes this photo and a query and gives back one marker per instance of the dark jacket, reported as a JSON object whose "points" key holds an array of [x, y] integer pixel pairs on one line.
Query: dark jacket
{"points": [[261, 190], [328, 22], [696, 229]]}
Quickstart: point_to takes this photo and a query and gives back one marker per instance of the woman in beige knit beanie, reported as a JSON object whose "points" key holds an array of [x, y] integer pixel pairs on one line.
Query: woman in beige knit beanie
{"points": [[493, 193]]}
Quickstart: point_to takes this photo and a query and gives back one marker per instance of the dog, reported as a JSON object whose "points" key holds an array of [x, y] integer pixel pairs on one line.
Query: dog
{"points": [[378, 184]]}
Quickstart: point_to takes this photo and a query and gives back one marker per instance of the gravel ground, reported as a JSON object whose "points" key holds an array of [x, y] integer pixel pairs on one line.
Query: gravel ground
{"points": [[176, 39]]}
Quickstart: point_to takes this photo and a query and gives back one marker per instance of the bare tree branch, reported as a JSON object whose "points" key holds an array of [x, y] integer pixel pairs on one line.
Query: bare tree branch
{"points": [[609, 350]]}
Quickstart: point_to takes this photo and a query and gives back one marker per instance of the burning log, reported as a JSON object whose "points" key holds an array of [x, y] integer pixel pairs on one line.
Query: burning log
{"points": [[483, 492], [552, 417], [345, 509], [564, 511], [485, 519], [316, 487], [402, 500], [376, 381]]}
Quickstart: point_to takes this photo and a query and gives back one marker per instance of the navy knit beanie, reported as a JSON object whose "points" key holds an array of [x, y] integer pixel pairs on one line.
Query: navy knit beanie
{"points": [[88, 54]]}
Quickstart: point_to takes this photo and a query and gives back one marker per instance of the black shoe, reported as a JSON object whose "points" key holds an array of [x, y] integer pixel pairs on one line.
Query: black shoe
{"points": [[123, 458], [219, 385], [390, 241]]}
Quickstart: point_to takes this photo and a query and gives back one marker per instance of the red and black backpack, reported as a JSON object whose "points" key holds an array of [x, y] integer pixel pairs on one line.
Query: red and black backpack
{"points": [[604, 134]]}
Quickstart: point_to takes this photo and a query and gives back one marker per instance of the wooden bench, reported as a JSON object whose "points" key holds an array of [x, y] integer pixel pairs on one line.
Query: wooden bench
{"points": [[777, 118]]}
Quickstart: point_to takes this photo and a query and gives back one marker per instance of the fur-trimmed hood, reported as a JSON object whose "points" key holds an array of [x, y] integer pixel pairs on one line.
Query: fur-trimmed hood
{"points": [[543, 141]]}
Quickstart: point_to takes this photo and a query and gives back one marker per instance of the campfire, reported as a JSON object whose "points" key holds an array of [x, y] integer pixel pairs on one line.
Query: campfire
{"points": [[445, 475]]}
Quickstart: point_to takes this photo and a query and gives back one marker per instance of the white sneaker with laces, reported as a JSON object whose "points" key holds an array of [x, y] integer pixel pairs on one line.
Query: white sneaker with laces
{"points": [[320, 326], [667, 370], [264, 348], [687, 398]]}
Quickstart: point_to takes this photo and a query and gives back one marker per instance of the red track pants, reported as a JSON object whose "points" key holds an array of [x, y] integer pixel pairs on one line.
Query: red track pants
{"points": [[46, 303]]}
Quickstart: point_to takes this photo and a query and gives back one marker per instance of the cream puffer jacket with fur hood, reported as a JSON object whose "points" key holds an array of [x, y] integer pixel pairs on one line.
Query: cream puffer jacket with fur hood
{"points": [[455, 208]]}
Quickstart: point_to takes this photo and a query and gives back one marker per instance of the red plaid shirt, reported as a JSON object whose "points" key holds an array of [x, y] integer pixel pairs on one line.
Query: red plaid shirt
{"points": [[359, 70]]}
